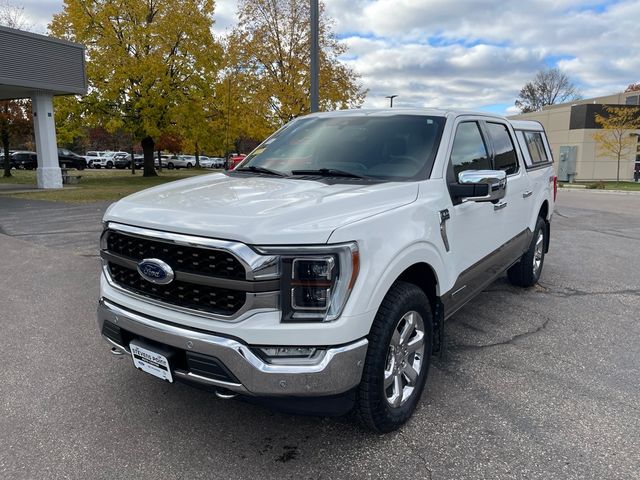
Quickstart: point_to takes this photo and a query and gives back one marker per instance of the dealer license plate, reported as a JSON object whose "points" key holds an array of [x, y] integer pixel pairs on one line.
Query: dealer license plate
{"points": [[150, 361]]}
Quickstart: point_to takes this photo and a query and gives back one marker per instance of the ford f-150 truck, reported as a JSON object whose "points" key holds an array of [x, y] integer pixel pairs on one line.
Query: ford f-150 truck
{"points": [[320, 272]]}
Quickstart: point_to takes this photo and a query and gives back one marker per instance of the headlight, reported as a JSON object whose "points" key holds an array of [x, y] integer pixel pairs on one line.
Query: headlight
{"points": [[316, 281]]}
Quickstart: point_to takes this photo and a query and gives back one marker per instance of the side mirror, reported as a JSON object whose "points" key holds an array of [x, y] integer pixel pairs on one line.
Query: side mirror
{"points": [[480, 185]]}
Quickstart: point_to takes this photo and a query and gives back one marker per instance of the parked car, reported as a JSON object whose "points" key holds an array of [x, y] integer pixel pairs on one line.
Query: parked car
{"points": [[24, 160], [69, 159], [95, 159], [211, 162], [180, 161], [357, 236], [234, 161], [122, 160], [108, 159]]}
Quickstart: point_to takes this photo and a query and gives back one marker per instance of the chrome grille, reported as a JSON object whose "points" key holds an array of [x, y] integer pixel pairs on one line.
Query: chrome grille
{"points": [[213, 278], [205, 298], [188, 259]]}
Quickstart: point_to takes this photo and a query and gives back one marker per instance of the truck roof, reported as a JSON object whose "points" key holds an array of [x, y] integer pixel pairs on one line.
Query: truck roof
{"points": [[383, 112]]}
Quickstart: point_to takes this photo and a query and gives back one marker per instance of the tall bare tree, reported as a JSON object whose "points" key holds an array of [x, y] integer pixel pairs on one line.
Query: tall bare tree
{"points": [[547, 88]]}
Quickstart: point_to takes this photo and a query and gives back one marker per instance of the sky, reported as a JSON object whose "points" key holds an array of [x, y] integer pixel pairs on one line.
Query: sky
{"points": [[473, 54]]}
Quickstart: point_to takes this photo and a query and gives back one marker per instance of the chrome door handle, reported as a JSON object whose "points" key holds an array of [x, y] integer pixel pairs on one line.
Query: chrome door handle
{"points": [[499, 206], [526, 194]]}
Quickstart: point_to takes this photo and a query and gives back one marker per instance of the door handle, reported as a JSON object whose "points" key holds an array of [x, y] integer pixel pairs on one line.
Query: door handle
{"points": [[499, 206], [526, 194]]}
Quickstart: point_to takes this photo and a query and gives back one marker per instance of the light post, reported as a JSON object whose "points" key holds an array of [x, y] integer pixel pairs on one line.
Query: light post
{"points": [[391, 97], [314, 94]]}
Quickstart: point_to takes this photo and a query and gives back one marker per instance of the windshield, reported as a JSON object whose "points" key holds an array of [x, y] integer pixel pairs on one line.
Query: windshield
{"points": [[398, 147]]}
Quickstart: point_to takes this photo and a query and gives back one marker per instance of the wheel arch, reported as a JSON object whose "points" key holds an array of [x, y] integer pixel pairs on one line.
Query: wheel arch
{"points": [[423, 276], [544, 214], [421, 264]]}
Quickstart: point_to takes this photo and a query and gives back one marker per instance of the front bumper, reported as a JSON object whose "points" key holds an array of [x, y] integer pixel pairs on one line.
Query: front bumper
{"points": [[335, 372]]}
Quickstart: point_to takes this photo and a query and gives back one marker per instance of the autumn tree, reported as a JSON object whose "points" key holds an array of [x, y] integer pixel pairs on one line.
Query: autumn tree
{"points": [[616, 138], [143, 59], [549, 87], [269, 63]]}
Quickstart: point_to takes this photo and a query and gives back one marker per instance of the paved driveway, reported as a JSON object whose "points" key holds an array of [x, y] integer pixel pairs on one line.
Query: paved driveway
{"points": [[541, 383]]}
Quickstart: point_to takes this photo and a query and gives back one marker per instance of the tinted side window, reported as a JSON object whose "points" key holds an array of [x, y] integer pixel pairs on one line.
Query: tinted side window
{"points": [[469, 151], [535, 145], [505, 155]]}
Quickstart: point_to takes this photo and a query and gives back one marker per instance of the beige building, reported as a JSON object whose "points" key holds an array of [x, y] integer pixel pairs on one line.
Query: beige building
{"points": [[570, 128]]}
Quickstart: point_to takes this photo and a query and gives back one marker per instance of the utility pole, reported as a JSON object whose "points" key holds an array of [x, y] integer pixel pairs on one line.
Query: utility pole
{"points": [[315, 27], [391, 97]]}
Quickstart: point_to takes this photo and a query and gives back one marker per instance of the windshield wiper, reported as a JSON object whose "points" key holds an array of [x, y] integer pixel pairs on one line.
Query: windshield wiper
{"points": [[256, 169], [327, 172]]}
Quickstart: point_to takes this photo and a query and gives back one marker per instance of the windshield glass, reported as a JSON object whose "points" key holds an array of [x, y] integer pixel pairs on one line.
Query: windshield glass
{"points": [[398, 147]]}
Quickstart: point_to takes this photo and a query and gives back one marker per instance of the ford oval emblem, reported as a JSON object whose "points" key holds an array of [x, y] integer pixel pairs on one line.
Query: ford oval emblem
{"points": [[155, 271]]}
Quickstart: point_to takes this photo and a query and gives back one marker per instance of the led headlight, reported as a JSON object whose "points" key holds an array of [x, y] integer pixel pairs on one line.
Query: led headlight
{"points": [[316, 281]]}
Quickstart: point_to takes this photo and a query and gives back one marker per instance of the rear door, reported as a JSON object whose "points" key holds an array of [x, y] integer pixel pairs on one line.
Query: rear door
{"points": [[474, 229], [515, 208]]}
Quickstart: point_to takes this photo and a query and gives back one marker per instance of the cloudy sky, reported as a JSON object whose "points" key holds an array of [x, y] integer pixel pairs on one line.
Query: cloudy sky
{"points": [[473, 54]]}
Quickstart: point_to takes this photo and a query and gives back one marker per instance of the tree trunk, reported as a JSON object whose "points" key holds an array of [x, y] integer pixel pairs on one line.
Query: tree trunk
{"points": [[618, 171], [148, 149], [5, 145], [197, 156]]}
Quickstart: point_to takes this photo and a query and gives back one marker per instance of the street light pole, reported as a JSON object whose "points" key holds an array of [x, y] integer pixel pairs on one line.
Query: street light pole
{"points": [[391, 97], [314, 94]]}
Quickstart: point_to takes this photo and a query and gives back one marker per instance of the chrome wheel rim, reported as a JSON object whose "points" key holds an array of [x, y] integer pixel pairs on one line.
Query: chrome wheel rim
{"points": [[405, 358], [538, 253]]}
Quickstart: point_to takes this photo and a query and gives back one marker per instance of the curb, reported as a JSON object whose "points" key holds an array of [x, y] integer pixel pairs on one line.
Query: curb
{"points": [[596, 190]]}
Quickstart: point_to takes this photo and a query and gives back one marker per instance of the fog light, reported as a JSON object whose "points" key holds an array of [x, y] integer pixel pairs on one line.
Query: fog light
{"points": [[291, 352]]}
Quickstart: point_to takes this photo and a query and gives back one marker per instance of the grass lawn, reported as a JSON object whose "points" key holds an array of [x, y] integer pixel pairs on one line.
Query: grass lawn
{"points": [[627, 186], [98, 185]]}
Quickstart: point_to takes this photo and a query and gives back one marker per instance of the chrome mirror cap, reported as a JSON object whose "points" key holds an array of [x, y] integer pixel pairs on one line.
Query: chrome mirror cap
{"points": [[495, 180]]}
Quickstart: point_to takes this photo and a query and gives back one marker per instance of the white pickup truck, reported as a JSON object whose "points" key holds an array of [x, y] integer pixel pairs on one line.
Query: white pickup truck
{"points": [[319, 273]]}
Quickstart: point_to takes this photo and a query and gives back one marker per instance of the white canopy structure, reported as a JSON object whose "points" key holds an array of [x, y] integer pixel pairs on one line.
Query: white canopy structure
{"points": [[40, 67]]}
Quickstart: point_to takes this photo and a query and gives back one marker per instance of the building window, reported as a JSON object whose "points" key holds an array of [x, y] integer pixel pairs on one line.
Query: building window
{"points": [[632, 100]]}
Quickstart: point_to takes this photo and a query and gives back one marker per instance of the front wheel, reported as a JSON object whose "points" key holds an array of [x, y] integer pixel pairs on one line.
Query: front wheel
{"points": [[526, 272], [397, 359]]}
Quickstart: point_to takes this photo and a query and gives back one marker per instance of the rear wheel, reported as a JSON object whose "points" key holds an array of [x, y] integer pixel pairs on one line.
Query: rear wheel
{"points": [[189, 165], [109, 164], [397, 360], [526, 272], [170, 166]]}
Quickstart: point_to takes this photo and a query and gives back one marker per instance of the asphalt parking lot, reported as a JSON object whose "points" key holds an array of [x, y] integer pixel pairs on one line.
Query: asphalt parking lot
{"points": [[538, 384]]}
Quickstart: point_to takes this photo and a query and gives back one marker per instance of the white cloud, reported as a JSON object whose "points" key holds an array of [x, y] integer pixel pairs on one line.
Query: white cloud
{"points": [[471, 54]]}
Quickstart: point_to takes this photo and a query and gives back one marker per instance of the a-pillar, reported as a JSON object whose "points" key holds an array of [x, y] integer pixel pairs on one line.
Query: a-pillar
{"points": [[48, 173]]}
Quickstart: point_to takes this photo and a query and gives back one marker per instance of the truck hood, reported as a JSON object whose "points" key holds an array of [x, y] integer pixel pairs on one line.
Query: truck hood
{"points": [[258, 209]]}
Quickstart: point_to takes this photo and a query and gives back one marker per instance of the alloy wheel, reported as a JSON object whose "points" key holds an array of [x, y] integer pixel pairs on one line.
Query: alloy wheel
{"points": [[404, 359]]}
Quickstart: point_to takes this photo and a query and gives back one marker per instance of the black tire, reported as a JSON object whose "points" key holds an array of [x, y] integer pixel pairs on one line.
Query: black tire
{"points": [[109, 164], [170, 166], [81, 166], [189, 165], [373, 406], [526, 272]]}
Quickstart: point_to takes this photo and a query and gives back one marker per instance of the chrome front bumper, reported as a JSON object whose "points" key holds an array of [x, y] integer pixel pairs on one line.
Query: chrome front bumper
{"points": [[335, 372]]}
